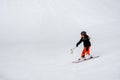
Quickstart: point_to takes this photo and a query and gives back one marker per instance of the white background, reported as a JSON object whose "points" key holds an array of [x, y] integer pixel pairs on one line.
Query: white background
{"points": [[36, 36]]}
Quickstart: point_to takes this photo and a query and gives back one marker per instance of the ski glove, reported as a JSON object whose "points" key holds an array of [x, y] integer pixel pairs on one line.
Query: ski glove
{"points": [[77, 45]]}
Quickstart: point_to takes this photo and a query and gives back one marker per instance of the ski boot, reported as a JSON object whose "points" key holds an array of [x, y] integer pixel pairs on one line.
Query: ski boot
{"points": [[82, 58]]}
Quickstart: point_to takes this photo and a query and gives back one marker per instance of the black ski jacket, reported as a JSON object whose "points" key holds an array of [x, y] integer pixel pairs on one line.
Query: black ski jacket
{"points": [[85, 40]]}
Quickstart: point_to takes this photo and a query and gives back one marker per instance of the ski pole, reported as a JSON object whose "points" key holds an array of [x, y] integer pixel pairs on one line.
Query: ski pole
{"points": [[72, 50]]}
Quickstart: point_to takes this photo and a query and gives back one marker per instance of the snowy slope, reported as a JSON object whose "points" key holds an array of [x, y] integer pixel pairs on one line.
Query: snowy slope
{"points": [[36, 37], [31, 63]]}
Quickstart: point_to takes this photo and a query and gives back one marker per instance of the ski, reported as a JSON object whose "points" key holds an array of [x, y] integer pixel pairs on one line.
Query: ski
{"points": [[78, 61]]}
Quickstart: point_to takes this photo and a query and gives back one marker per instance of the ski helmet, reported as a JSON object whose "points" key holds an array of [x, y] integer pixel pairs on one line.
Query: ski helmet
{"points": [[83, 32]]}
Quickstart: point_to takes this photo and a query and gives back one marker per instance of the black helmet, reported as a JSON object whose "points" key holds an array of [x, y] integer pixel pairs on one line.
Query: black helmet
{"points": [[83, 32]]}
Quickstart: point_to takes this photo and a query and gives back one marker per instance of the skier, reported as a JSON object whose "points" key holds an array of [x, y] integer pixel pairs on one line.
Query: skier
{"points": [[87, 44]]}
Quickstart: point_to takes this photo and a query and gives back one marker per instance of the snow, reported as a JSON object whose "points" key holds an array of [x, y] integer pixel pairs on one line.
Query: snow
{"points": [[36, 37]]}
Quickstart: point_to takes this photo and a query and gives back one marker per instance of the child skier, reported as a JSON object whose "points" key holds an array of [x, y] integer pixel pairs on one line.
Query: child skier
{"points": [[86, 42]]}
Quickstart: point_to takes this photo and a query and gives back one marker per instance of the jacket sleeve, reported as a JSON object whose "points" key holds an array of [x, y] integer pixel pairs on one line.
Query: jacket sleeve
{"points": [[79, 42]]}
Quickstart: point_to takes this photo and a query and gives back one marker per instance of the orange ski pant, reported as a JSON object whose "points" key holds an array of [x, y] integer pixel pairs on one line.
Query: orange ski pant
{"points": [[86, 50]]}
